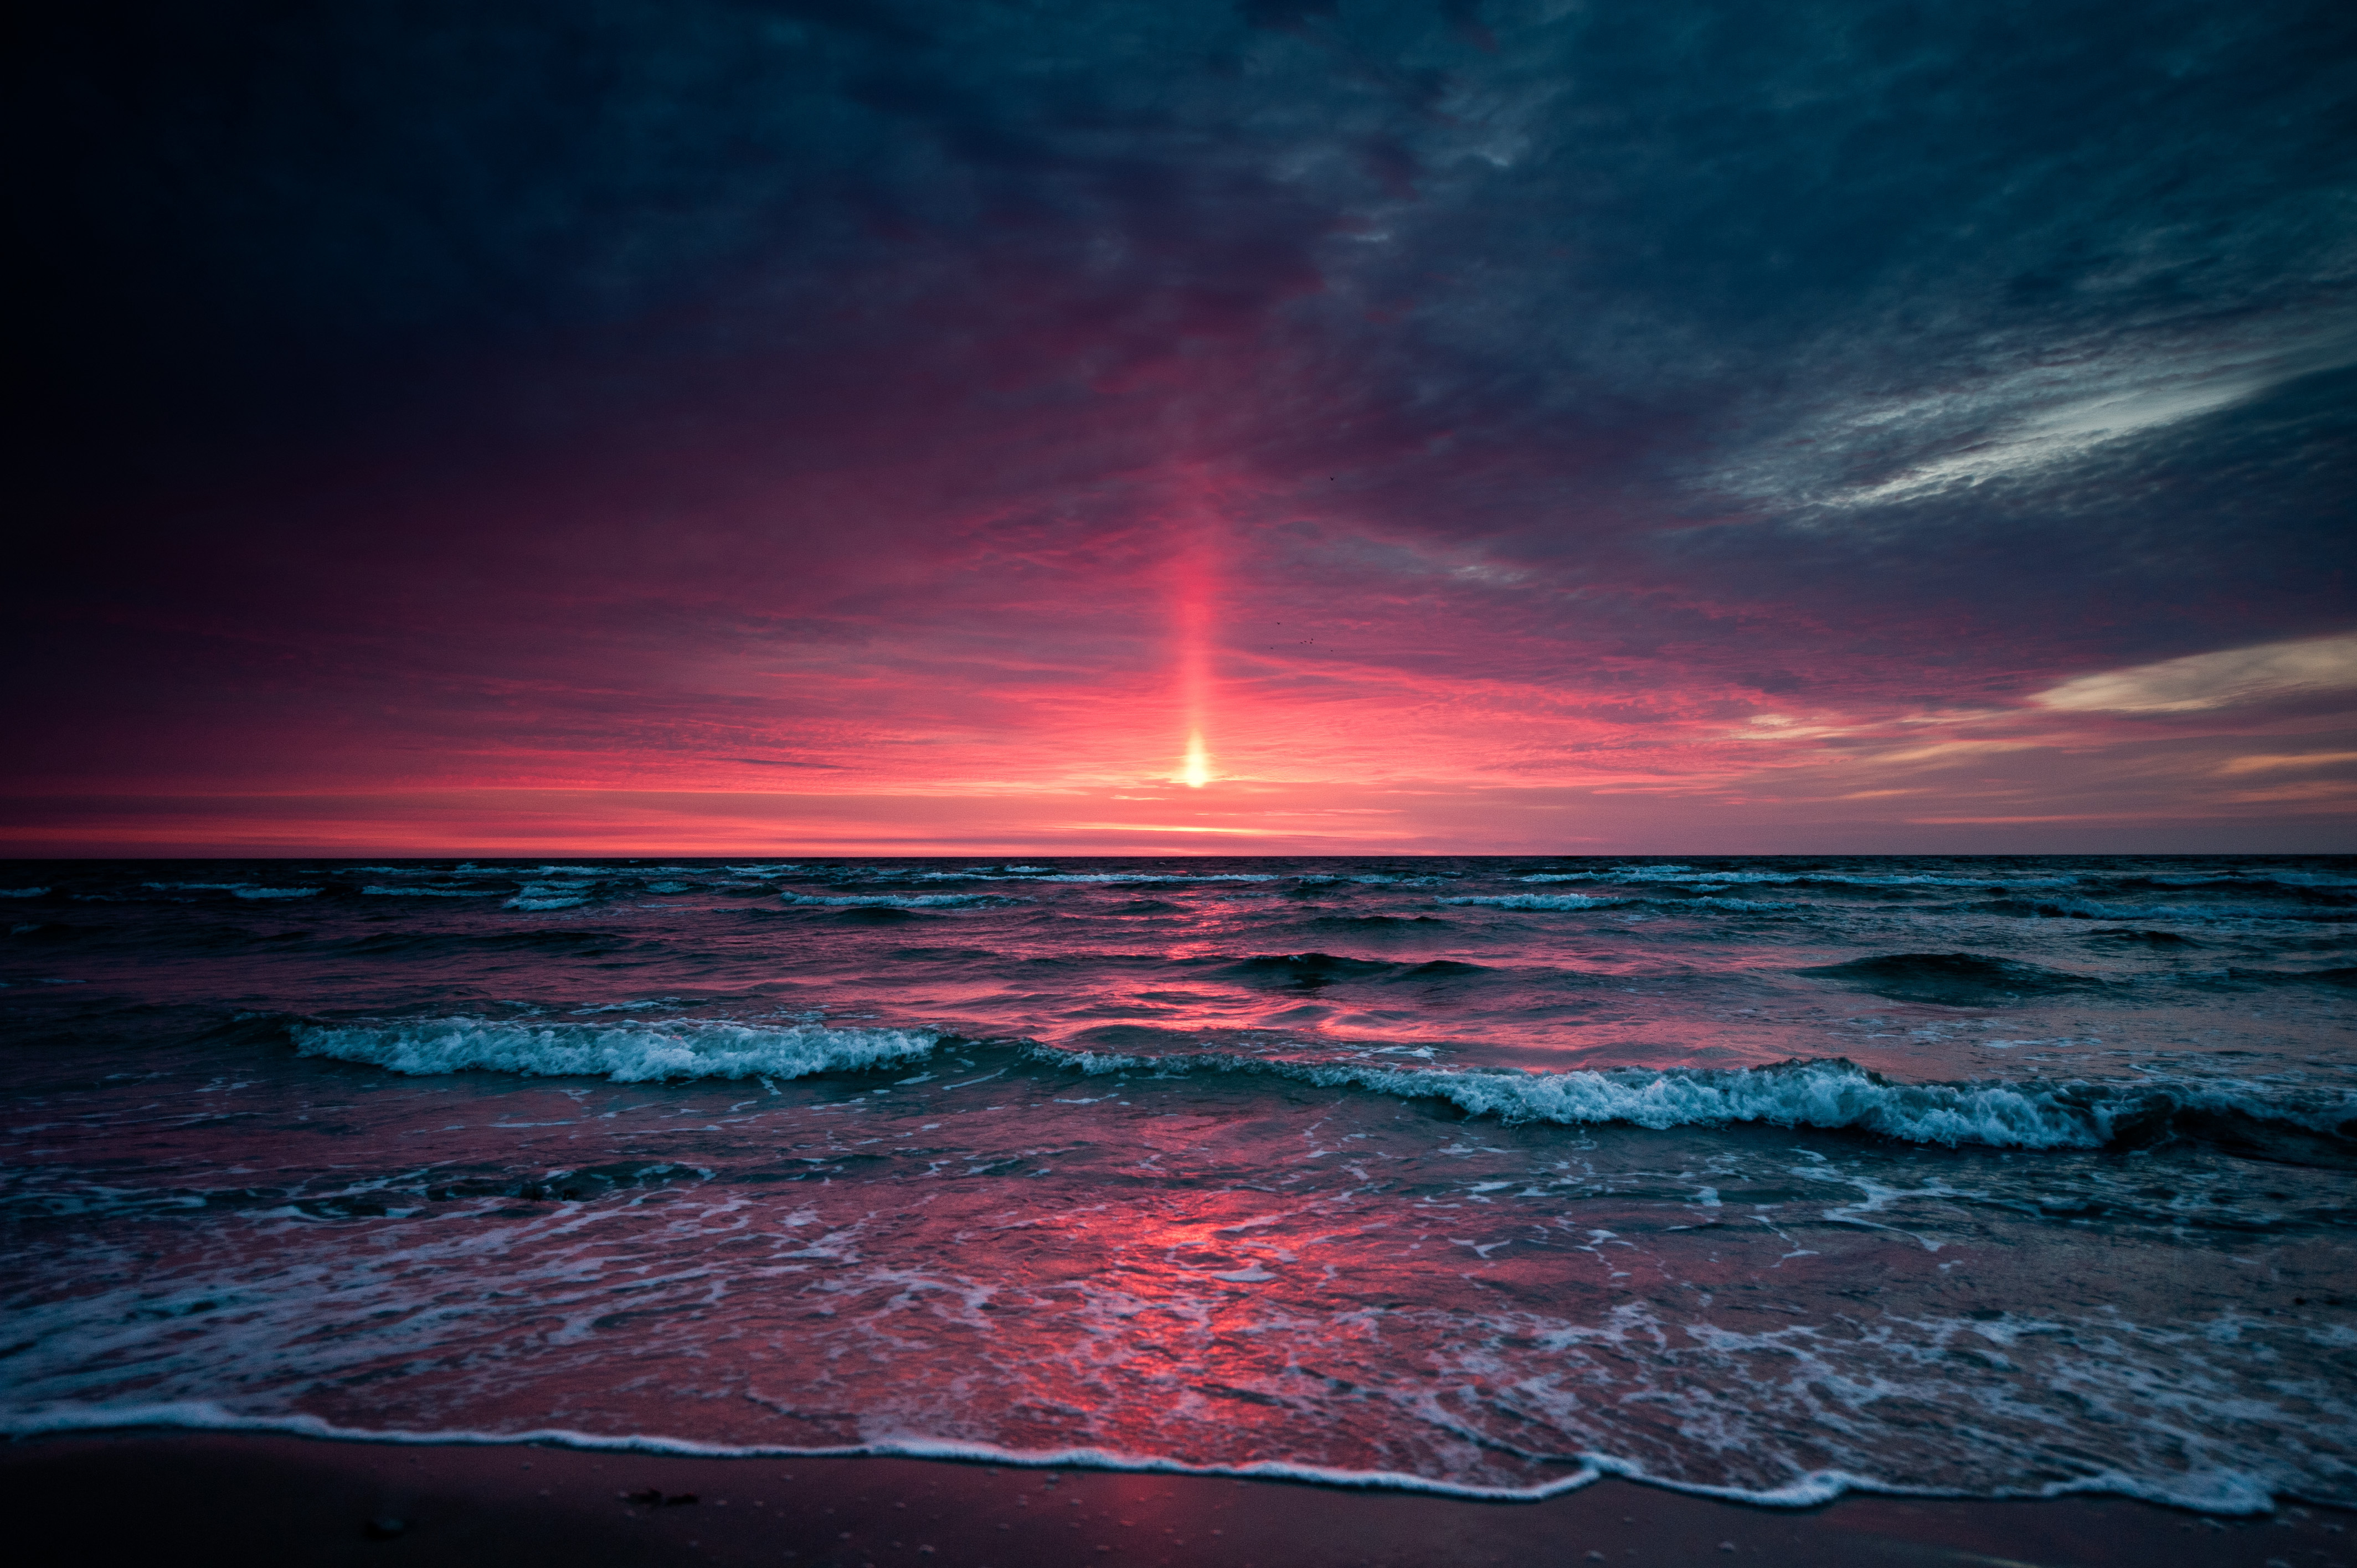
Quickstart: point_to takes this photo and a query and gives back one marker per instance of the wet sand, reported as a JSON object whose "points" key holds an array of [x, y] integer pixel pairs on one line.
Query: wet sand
{"points": [[177, 1499]]}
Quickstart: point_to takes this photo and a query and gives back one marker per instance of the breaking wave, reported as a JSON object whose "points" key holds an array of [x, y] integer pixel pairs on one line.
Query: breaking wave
{"points": [[1533, 901], [242, 889], [1829, 1093], [898, 901], [626, 1053]]}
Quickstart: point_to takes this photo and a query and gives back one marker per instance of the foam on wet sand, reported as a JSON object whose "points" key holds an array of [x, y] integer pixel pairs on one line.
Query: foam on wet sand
{"points": [[196, 1499]]}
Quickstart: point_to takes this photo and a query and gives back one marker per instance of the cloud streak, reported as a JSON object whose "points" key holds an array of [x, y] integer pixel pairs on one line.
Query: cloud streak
{"points": [[2272, 671]]}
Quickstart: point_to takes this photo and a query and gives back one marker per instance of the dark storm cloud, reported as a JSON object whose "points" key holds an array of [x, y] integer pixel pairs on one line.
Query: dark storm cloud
{"points": [[1667, 204]]}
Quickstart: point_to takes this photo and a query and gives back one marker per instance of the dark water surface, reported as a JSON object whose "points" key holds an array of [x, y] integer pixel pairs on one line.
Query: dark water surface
{"points": [[1986, 1176]]}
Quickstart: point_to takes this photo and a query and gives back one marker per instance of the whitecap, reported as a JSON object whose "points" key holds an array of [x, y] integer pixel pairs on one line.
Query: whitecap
{"points": [[1826, 1092], [899, 901], [434, 892], [1145, 877], [624, 1052], [240, 889]]}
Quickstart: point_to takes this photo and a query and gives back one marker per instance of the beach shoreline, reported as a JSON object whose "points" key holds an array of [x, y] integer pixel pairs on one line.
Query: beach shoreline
{"points": [[150, 1495]]}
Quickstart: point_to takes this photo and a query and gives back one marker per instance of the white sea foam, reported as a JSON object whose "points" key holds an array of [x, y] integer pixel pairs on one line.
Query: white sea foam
{"points": [[899, 900], [1687, 876], [207, 1415], [242, 889], [1826, 1093], [624, 1052], [1607, 900], [548, 896], [1533, 901], [2220, 1492], [434, 892], [1151, 876]]}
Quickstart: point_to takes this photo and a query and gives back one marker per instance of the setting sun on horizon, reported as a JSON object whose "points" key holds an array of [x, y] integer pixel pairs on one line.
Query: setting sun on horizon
{"points": [[1198, 771]]}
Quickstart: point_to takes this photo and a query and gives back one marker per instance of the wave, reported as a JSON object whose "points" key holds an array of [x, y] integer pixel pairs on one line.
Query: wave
{"points": [[1147, 876], [2122, 936], [625, 1053], [1309, 970], [1787, 878], [2083, 909], [51, 931], [242, 889], [22, 892], [2077, 895], [1827, 1093], [900, 900], [552, 895], [1831, 1093], [2231, 1492], [578, 941], [2314, 889], [1951, 979], [2301, 1127], [838, 876], [1614, 901], [1370, 925], [434, 892], [2342, 977]]}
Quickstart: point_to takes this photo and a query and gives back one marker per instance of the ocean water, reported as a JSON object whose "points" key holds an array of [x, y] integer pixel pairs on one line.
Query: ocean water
{"points": [[1765, 1177]]}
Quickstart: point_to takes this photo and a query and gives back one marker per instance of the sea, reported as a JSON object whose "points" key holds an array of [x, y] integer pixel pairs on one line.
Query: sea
{"points": [[1765, 1178]]}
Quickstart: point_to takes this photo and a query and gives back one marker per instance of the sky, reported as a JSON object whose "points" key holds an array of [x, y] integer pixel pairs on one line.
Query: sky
{"points": [[962, 427]]}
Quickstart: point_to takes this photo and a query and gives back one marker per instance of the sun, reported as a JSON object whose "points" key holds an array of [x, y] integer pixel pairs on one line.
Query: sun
{"points": [[1197, 771]]}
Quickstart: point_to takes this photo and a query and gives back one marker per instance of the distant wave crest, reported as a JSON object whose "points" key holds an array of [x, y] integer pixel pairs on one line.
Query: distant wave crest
{"points": [[898, 900], [1533, 901], [626, 1053]]}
